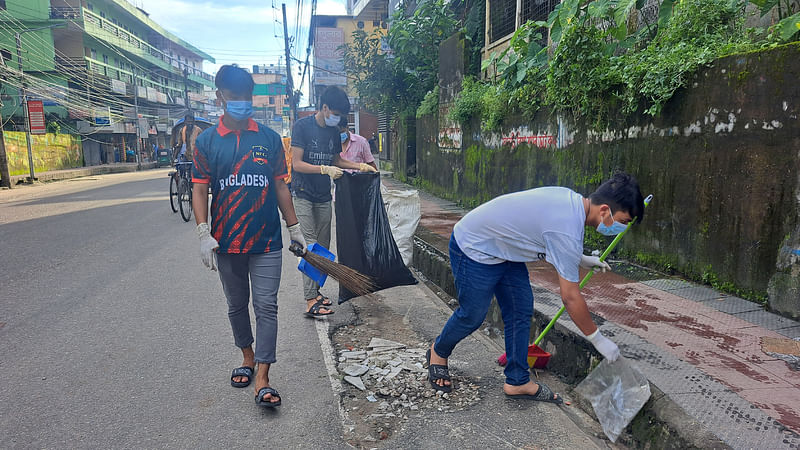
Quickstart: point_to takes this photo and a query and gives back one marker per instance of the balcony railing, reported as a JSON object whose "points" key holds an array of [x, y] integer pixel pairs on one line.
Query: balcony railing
{"points": [[130, 42], [65, 12]]}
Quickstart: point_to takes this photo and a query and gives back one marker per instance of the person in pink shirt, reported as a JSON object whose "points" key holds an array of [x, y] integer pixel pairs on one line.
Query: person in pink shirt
{"points": [[355, 148]]}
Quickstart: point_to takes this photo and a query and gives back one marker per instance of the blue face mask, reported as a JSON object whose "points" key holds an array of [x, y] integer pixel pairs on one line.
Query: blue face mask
{"points": [[613, 230], [239, 109], [344, 136]]}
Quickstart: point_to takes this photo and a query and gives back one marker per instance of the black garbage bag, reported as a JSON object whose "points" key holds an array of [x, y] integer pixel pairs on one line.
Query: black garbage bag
{"points": [[364, 238]]}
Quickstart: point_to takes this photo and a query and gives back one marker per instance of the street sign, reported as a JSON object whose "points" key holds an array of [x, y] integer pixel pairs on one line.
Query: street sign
{"points": [[36, 123], [102, 116]]}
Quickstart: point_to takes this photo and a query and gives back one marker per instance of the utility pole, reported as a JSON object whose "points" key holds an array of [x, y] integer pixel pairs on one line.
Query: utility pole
{"points": [[136, 123], [24, 98], [186, 91], [289, 83], [18, 39]]}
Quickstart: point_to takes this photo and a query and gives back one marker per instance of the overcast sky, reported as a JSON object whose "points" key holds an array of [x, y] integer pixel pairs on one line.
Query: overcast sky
{"points": [[245, 32]]}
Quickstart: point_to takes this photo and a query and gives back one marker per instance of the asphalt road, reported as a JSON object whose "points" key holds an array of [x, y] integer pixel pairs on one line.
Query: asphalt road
{"points": [[113, 334]]}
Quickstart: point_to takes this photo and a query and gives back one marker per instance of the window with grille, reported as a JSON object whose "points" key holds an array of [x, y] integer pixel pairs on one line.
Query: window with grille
{"points": [[649, 13], [538, 10], [503, 18]]}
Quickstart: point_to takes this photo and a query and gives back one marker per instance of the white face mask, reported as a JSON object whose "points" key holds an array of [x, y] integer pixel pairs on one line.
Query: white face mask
{"points": [[332, 120]]}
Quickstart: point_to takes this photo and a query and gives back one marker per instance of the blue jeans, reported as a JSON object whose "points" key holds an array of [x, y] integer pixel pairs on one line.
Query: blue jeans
{"points": [[476, 283], [240, 274]]}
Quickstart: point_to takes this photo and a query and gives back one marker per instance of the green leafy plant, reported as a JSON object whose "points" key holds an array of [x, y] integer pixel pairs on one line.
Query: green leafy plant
{"points": [[699, 32], [788, 27], [525, 56], [579, 79], [495, 102], [53, 127], [430, 104], [469, 102]]}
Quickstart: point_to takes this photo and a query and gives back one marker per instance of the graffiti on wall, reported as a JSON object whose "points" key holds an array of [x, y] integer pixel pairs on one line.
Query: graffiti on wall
{"points": [[50, 152], [537, 140], [450, 134], [560, 136]]}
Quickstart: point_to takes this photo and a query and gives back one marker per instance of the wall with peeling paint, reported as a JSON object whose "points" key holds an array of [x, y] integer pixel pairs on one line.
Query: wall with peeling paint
{"points": [[722, 161]]}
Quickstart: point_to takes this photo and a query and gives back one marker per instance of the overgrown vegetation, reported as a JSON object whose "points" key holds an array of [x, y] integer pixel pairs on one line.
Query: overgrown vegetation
{"points": [[487, 101], [394, 71], [610, 61], [430, 103]]}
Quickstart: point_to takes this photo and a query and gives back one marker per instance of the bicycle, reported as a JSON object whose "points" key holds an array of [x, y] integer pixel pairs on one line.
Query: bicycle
{"points": [[180, 190]]}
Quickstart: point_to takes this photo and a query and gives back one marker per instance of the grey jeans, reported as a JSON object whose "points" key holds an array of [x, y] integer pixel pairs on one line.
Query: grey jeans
{"points": [[315, 222], [239, 273]]}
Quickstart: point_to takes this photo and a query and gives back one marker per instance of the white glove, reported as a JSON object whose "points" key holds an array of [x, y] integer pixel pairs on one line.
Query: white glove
{"points": [[594, 263], [364, 167], [208, 246], [332, 171], [296, 234], [604, 345]]}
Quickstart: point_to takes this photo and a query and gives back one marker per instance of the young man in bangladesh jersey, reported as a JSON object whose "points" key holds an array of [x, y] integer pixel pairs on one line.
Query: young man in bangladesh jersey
{"points": [[244, 165]]}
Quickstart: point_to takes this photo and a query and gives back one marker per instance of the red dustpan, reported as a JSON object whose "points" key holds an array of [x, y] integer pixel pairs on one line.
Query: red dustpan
{"points": [[537, 357]]}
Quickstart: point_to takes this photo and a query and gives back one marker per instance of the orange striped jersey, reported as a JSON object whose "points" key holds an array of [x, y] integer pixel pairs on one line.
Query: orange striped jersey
{"points": [[240, 166]]}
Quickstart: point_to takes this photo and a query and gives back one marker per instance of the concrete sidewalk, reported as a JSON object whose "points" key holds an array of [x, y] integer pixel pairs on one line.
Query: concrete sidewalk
{"points": [[474, 415], [715, 362], [65, 174]]}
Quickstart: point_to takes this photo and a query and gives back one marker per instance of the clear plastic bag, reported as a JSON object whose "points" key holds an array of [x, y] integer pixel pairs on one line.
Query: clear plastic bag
{"points": [[617, 392]]}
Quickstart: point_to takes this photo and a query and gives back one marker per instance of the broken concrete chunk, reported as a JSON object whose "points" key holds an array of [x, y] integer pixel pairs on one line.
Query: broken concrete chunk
{"points": [[394, 372], [384, 344], [416, 367], [356, 381], [357, 354], [356, 370]]}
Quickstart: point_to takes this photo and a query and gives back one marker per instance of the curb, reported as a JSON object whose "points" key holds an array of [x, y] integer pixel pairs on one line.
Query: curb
{"points": [[57, 175], [661, 423]]}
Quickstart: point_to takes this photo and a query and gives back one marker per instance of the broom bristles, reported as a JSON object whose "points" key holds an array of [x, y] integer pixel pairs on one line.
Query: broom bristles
{"points": [[351, 279]]}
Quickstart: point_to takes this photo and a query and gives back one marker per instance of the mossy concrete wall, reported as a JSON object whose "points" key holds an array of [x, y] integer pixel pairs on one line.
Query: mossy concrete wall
{"points": [[722, 162]]}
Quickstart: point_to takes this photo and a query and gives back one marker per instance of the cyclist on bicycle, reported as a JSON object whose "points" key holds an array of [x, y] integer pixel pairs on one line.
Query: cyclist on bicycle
{"points": [[184, 147]]}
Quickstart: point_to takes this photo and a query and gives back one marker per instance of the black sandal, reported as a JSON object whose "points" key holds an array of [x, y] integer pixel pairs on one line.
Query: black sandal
{"points": [[314, 310], [325, 300], [544, 394], [438, 372], [266, 403], [243, 371]]}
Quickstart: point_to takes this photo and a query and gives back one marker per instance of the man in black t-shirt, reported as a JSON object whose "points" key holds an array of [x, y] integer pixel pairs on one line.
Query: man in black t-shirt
{"points": [[315, 161]]}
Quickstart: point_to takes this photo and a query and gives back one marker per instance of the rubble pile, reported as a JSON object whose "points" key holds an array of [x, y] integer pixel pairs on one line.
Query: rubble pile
{"points": [[393, 376]]}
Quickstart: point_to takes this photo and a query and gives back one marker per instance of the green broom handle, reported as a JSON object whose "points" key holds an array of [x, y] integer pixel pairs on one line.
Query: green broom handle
{"points": [[591, 273]]}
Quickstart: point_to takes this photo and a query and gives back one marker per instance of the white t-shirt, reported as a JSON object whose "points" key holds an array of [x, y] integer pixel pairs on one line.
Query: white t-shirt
{"points": [[520, 226]]}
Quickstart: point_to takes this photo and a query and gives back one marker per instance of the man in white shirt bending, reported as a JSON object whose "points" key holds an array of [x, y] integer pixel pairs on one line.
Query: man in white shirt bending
{"points": [[488, 251]]}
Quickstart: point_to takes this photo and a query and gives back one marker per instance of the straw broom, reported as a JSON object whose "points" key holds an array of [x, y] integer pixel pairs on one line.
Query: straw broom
{"points": [[350, 279]]}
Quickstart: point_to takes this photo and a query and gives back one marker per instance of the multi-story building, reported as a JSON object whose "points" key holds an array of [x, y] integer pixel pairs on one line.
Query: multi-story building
{"points": [[96, 64], [330, 33], [270, 100]]}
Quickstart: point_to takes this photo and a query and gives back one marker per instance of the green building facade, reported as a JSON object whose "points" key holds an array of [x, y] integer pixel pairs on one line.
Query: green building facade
{"points": [[91, 62]]}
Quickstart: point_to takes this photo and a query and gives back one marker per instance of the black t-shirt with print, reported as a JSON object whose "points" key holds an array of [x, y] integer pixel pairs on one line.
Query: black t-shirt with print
{"points": [[319, 145]]}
